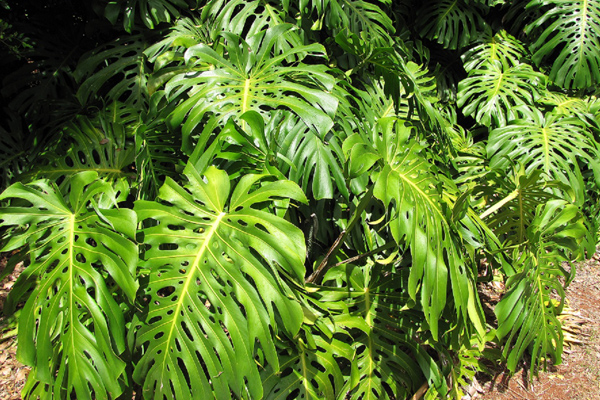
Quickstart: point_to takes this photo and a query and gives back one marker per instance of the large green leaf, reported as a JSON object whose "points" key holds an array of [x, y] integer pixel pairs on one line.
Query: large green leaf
{"points": [[567, 36], [527, 313], [491, 92], [316, 161], [354, 15], [150, 12], [510, 200], [96, 143], [558, 145], [490, 48], [72, 329], [157, 149], [374, 309], [406, 182], [122, 58], [247, 78], [216, 262], [360, 16], [243, 17], [284, 146], [311, 371], [452, 23]]}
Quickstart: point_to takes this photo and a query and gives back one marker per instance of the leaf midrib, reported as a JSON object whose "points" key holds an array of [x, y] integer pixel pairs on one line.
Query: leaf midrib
{"points": [[189, 279]]}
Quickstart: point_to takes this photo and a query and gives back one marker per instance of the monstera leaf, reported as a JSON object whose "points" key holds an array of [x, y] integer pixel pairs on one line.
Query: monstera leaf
{"points": [[250, 78], [567, 36], [452, 23], [527, 312], [490, 93], [311, 371], [151, 12], [359, 16], [556, 144], [285, 147], [387, 361], [405, 182], [216, 294], [124, 57], [90, 144], [513, 199], [490, 48], [251, 17], [72, 329], [157, 149]]}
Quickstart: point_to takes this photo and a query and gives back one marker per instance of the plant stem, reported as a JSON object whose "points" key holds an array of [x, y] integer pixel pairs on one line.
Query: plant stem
{"points": [[513, 195], [386, 246], [323, 266]]}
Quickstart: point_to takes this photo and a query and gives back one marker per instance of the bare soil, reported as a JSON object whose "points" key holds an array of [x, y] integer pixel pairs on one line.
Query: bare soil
{"points": [[12, 373], [577, 378]]}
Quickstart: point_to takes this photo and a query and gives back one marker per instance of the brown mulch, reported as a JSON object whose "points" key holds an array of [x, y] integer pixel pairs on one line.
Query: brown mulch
{"points": [[12, 373], [578, 377]]}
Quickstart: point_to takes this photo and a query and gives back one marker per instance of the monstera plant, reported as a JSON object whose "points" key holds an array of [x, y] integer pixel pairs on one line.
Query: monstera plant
{"points": [[268, 199]]}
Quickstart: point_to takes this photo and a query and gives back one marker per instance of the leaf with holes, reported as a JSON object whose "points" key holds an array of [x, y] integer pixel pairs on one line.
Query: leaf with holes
{"points": [[491, 93], [452, 23], [216, 289], [90, 144], [567, 36], [560, 146], [311, 371], [249, 77], [122, 57], [374, 309], [151, 12], [406, 183], [72, 330], [527, 312], [489, 48], [249, 18]]}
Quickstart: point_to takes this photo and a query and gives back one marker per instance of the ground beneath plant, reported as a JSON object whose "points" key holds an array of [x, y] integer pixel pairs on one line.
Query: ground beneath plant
{"points": [[577, 378]]}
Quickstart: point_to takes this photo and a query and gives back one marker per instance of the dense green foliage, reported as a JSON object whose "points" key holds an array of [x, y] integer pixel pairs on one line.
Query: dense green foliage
{"points": [[290, 200]]}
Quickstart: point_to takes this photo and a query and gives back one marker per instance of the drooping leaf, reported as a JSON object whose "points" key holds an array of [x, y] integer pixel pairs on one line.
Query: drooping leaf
{"points": [[490, 48], [89, 144], [405, 182], [311, 371], [360, 16], [71, 329], [511, 201], [285, 146], [250, 17], [386, 361], [216, 292], [157, 149]]}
